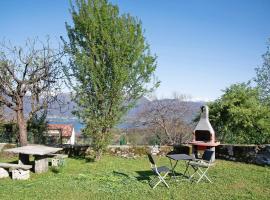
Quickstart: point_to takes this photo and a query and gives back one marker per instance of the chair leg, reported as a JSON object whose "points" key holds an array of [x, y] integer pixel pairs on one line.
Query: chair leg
{"points": [[161, 179], [187, 166], [203, 174], [157, 184], [208, 179], [195, 171], [173, 167]]}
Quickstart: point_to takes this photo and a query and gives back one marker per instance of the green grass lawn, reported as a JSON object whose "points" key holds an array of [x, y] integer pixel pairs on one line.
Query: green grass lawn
{"points": [[119, 178]]}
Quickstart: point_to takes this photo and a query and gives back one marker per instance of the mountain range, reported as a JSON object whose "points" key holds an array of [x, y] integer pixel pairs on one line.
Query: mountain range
{"points": [[61, 111]]}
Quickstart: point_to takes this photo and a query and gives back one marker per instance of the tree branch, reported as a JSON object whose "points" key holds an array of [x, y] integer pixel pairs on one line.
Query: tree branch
{"points": [[12, 73], [8, 104]]}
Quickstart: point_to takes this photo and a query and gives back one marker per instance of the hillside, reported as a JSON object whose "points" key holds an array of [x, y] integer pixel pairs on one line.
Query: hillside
{"points": [[61, 111]]}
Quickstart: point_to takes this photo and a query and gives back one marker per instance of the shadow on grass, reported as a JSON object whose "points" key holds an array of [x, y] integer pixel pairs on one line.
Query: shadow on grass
{"points": [[116, 173], [13, 162], [89, 159], [56, 170], [148, 176], [144, 175]]}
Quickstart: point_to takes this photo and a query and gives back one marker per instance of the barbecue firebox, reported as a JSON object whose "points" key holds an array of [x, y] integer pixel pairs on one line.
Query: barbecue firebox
{"points": [[203, 134]]}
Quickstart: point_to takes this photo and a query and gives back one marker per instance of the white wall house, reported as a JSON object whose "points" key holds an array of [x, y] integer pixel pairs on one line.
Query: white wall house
{"points": [[72, 137], [61, 133]]}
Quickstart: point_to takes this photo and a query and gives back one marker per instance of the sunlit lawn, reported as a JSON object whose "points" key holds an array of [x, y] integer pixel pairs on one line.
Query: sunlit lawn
{"points": [[120, 178]]}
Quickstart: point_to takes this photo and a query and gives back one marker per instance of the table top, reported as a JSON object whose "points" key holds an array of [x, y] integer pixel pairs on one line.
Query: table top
{"points": [[180, 157], [34, 150]]}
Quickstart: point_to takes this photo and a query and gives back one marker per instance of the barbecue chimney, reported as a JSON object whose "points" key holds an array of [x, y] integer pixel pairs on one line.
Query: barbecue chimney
{"points": [[204, 134]]}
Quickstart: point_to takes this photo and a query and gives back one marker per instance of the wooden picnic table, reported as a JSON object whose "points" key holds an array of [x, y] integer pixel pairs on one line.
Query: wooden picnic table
{"points": [[40, 153]]}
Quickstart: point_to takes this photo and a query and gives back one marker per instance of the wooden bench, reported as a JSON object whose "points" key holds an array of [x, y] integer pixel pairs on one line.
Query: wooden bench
{"points": [[18, 171]]}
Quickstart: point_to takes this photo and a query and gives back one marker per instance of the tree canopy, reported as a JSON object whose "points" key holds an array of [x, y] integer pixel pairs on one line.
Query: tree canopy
{"points": [[263, 77], [240, 117], [110, 64]]}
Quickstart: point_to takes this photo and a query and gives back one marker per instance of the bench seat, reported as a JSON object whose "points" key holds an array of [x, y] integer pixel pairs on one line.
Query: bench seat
{"points": [[18, 171], [11, 166]]}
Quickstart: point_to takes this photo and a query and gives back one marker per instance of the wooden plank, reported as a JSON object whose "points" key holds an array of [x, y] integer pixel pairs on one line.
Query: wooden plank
{"points": [[15, 166]]}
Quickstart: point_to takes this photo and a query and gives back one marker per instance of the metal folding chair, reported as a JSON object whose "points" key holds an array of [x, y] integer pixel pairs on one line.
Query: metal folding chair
{"points": [[201, 166], [158, 170]]}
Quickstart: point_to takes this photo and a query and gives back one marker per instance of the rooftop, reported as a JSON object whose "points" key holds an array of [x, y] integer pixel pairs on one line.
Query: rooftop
{"points": [[66, 129]]}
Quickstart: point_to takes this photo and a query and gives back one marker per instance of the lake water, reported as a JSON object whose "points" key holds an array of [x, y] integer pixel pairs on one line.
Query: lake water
{"points": [[78, 126]]}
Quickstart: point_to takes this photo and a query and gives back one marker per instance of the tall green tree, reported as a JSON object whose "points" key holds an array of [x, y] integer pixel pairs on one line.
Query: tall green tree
{"points": [[240, 117], [110, 63], [263, 77]]}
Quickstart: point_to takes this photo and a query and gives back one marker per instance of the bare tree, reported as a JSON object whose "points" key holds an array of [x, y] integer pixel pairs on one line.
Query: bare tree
{"points": [[34, 72], [1, 112], [167, 118]]}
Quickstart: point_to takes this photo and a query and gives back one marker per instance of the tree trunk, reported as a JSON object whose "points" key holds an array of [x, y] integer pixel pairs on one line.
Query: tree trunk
{"points": [[98, 154], [22, 127]]}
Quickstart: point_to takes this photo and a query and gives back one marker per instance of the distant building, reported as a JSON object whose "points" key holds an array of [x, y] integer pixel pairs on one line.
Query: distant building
{"points": [[61, 133]]}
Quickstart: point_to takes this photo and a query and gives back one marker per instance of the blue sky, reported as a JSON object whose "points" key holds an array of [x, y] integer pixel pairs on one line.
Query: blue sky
{"points": [[203, 46]]}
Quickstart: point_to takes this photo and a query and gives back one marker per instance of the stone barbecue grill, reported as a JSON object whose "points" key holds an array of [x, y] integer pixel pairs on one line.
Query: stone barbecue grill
{"points": [[203, 134]]}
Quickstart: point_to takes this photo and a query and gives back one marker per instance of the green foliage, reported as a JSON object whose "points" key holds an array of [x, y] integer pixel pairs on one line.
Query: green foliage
{"points": [[59, 168], [154, 140], [2, 128], [263, 77], [123, 140], [36, 128], [135, 138], [239, 116], [8, 132], [110, 63]]}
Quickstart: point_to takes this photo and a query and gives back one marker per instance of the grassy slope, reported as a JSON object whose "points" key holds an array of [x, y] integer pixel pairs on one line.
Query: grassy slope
{"points": [[117, 178]]}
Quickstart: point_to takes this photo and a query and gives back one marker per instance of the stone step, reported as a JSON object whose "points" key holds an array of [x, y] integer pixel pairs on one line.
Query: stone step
{"points": [[3, 173]]}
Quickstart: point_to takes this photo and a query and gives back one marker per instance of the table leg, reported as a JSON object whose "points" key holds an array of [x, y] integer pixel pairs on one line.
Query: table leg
{"points": [[187, 166], [173, 167], [41, 164], [23, 159]]}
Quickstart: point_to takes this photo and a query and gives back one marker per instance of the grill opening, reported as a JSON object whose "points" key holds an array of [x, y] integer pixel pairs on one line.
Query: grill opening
{"points": [[202, 135]]}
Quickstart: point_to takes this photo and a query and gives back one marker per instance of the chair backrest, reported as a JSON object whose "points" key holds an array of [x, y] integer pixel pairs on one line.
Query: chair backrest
{"points": [[207, 155], [151, 159]]}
